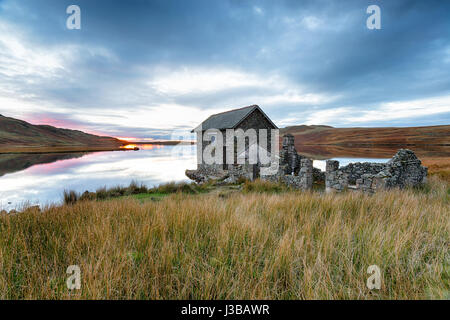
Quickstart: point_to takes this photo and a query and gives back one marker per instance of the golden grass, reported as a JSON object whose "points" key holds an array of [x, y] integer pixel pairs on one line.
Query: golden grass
{"points": [[288, 245], [439, 167]]}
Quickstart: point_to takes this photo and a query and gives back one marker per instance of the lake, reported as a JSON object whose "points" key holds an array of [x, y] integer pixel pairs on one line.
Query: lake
{"points": [[40, 179], [43, 182]]}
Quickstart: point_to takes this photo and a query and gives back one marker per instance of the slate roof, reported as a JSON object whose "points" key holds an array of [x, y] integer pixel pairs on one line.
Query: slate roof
{"points": [[229, 119]]}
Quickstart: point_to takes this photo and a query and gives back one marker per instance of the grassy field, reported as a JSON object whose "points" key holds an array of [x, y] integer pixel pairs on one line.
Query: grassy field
{"points": [[259, 242]]}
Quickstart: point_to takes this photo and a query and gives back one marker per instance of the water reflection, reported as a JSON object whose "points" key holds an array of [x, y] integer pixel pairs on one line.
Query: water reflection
{"points": [[45, 182], [10, 163]]}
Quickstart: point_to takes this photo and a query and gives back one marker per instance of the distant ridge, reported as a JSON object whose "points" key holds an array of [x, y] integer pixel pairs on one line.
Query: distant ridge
{"points": [[18, 135], [404, 136]]}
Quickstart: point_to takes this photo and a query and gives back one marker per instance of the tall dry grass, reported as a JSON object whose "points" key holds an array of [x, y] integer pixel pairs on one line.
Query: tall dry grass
{"points": [[439, 167], [289, 245]]}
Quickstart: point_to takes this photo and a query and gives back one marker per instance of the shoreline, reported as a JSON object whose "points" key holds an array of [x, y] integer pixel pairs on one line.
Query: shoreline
{"points": [[70, 149], [41, 150]]}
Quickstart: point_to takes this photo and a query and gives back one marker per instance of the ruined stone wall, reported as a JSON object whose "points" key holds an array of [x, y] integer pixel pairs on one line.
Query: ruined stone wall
{"points": [[306, 174], [303, 181], [246, 171], [289, 157], [206, 172], [231, 174], [335, 179], [403, 170], [355, 171], [318, 175], [211, 168], [369, 183]]}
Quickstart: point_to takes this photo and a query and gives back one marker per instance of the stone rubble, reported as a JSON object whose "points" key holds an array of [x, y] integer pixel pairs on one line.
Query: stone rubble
{"points": [[232, 174], [403, 170]]}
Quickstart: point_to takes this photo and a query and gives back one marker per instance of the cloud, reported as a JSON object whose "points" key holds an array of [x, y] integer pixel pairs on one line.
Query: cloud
{"points": [[389, 111], [258, 10], [146, 67], [18, 59], [203, 80], [312, 22]]}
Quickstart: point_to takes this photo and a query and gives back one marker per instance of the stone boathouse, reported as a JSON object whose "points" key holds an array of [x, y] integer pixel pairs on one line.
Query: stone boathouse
{"points": [[403, 170], [214, 128]]}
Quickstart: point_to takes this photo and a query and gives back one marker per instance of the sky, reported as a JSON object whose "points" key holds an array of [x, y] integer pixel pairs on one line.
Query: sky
{"points": [[154, 69]]}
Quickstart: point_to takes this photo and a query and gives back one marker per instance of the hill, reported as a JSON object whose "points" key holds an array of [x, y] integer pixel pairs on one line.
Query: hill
{"points": [[317, 135], [21, 136], [372, 142]]}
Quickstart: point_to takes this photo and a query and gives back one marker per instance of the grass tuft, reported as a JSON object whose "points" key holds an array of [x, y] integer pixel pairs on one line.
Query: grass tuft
{"points": [[134, 189], [70, 197], [262, 186]]}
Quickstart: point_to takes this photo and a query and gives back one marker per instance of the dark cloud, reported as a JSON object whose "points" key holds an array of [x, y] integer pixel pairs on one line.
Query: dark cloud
{"points": [[318, 48]]}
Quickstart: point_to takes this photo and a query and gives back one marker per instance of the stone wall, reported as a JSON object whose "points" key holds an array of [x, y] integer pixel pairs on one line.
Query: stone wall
{"points": [[303, 180], [318, 175], [256, 120], [403, 170], [206, 172], [289, 157], [357, 169], [306, 174], [246, 171], [335, 179], [216, 172], [294, 171]]}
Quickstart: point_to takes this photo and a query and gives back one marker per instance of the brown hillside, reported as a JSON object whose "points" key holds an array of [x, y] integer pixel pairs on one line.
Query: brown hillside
{"points": [[323, 135], [22, 136], [431, 144]]}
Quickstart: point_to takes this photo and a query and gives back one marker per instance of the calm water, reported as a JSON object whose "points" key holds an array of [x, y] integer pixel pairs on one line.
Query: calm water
{"points": [[44, 183], [41, 179]]}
